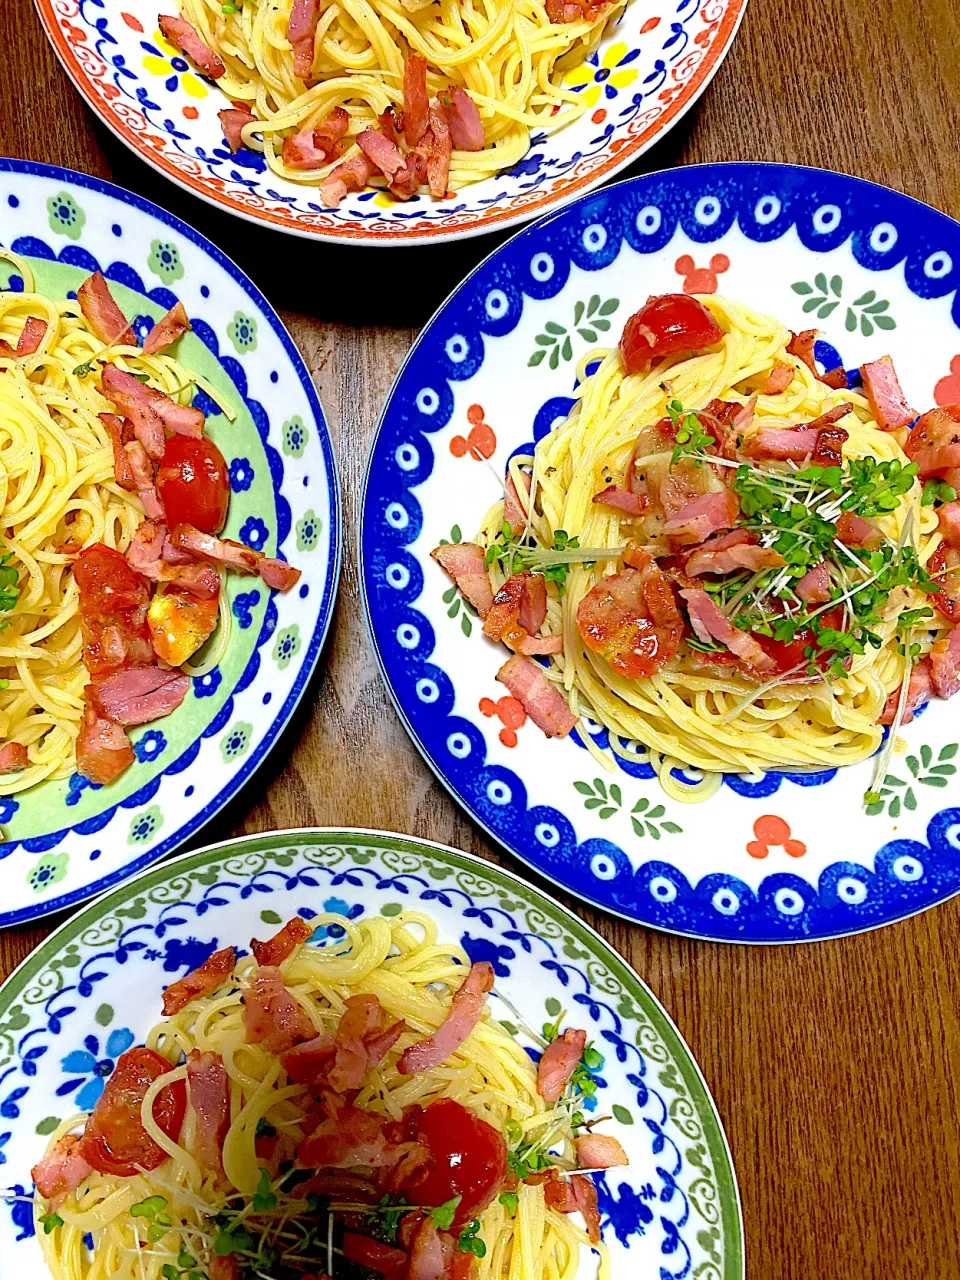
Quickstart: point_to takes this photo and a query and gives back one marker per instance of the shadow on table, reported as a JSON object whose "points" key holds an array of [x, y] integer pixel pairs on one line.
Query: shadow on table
{"points": [[343, 283]]}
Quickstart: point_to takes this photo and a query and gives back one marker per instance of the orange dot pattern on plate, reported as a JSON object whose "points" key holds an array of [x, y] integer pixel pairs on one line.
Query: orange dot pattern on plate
{"points": [[480, 442], [947, 390], [772, 832], [510, 713], [190, 113]]}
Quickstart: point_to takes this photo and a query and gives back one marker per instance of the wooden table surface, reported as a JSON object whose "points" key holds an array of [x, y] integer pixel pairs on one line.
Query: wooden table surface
{"points": [[835, 1066]]}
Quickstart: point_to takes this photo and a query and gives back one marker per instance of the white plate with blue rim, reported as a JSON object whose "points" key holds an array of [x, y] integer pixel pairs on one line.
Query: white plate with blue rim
{"points": [[94, 988], [788, 857], [64, 841]]}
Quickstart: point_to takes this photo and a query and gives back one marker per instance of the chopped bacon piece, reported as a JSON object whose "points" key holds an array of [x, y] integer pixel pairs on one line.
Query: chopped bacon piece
{"points": [[466, 127], [145, 552], [949, 517], [233, 121], [814, 586], [465, 1011], [558, 1064], [632, 504], [142, 474], [381, 151], [854, 531], [351, 175], [215, 550], [597, 1151], [31, 335], [463, 561], [351, 1139], [139, 694], [918, 693], [314, 148], [13, 757], [631, 617], [362, 1040], [271, 1015], [179, 33], [729, 552], [136, 402], [406, 182], [228, 1268], [835, 378], [711, 623], [167, 330], [301, 30], [121, 464], [574, 1195], [416, 103], [277, 574], [542, 701], [103, 749], [934, 443], [696, 520], [104, 317], [518, 610], [208, 1095], [945, 664], [438, 160], [514, 512], [783, 443], [427, 1261], [779, 378], [672, 324], [829, 448], [200, 580], [203, 981], [802, 346], [283, 944], [887, 401], [575, 10], [61, 1170]]}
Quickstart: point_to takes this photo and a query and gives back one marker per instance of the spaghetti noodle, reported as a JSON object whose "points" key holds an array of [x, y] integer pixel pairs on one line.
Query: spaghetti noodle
{"points": [[510, 56], [259, 1210], [736, 553]]}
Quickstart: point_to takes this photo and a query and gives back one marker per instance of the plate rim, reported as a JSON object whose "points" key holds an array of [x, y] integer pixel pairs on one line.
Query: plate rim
{"points": [[331, 583], [717, 1141], [531, 229], [616, 162]]}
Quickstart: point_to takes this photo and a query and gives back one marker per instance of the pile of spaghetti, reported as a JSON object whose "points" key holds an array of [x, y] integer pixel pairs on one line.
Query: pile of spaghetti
{"points": [[732, 561], [319, 86], [97, 433], [331, 1111]]}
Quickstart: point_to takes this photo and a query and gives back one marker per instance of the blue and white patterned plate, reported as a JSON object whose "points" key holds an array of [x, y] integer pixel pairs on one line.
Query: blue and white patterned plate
{"points": [[94, 988], [63, 841], [878, 272], [650, 68]]}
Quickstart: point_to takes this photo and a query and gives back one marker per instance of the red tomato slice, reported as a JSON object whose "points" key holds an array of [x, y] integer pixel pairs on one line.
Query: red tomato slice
{"points": [[114, 1140], [470, 1159], [108, 586], [666, 326], [941, 567], [193, 484], [790, 654]]}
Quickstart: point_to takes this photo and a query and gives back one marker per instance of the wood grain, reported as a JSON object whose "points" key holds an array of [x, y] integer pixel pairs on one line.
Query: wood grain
{"points": [[834, 1065]]}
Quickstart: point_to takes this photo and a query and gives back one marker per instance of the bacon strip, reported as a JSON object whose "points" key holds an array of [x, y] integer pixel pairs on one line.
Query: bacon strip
{"points": [[167, 330], [283, 944], [945, 664], [542, 701], [183, 36], [598, 1151], [233, 121], [208, 1094], [854, 531], [301, 31], [730, 552], [466, 127], [362, 1040], [103, 749], [558, 1063], [778, 379], [885, 395], [13, 757], [632, 504], [61, 1170], [416, 104], [463, 561], [438, 161], [271, 1016], [31, 335], [138, 694], [351, 175], [918, 693], [351, 1139], [704, 515], [465, 1011], [814, 586], [102, 314], [514, 512], [141, 472], [574, 1195], [202, 981], [276, 574], [381, 151], [711, 623]]}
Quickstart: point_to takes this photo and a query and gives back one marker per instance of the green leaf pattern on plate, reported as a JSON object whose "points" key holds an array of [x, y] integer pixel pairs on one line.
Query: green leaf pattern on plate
{"points": [[823, 296], [590, 320]]}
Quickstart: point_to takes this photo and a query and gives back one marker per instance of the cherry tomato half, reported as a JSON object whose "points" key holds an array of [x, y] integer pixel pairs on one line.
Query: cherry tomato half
{"points": [[790, 654], [108, 586], [193, 484], [470, 1159], [666, 326], [114, 1140]]}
